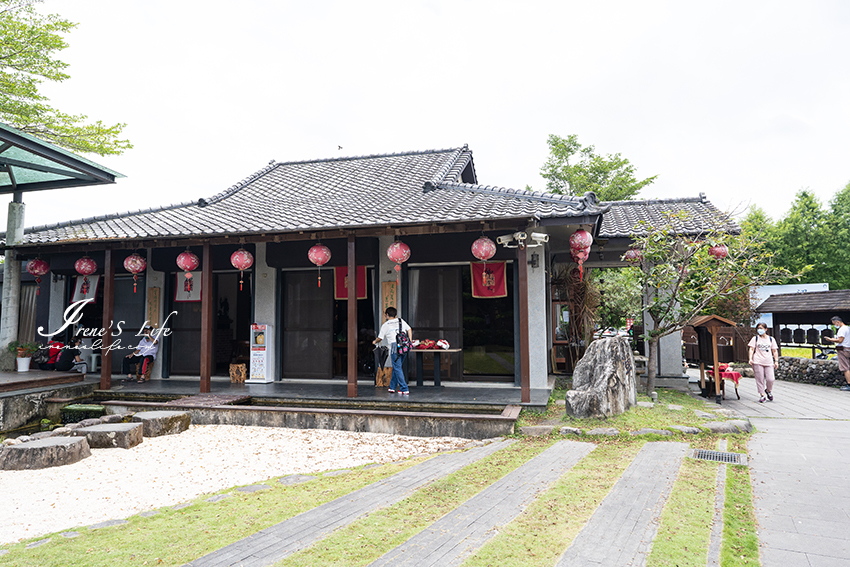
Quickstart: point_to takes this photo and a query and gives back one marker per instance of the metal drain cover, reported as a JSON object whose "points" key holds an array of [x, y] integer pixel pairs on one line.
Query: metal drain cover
{"points": [[719, 456]]}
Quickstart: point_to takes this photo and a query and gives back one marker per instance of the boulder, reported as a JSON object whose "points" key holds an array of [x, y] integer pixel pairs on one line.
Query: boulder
{"points": [[686, 429], [109, 435], [112, 418], [570, 431], [43, 453], [158, 423], [603, 381]]}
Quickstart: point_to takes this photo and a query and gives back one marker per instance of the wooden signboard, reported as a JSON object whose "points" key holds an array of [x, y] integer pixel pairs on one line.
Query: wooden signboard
{"points": [[153, 306], [389, 296]]}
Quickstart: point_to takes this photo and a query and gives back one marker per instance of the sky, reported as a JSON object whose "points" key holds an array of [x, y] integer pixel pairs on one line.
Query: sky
{"points": [[746, 101]]}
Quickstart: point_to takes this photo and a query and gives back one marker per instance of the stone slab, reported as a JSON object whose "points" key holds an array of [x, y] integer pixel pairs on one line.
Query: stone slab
{"points": [[253, 488], [274, 543], [70, 535], [111, 435], [44, 453], [604, 431], [38, 543], [537, 430], [107, 524], [157, 423], [298, 478], [570, 431], [650, 431], [337, 473], [218, 497], [686, 429], [645, 405]]}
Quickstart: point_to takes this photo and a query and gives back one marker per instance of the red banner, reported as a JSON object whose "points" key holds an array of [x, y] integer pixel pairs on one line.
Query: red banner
{"points": [[488, 280], [341, 282]]}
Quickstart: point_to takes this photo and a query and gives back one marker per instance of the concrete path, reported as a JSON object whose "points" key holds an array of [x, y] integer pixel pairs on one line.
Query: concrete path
{"points": [[800, 464], [621, 530], [276, 542], [460, 533]]}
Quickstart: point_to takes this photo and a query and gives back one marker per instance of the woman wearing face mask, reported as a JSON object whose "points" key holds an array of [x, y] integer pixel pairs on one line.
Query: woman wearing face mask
{"points": [[764, 357]]}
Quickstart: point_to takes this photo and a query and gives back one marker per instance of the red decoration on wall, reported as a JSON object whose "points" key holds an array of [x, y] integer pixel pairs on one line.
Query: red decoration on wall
{"points": [[38, 268], [580, 243], [241, 260], [320, 255], [187, 262], [483, 248], [85, 266], [341, 282], [135, 264], [488, 280], [398, 252]]}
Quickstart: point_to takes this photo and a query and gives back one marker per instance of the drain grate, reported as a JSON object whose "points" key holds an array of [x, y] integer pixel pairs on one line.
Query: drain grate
{"points": [[719, 456]]}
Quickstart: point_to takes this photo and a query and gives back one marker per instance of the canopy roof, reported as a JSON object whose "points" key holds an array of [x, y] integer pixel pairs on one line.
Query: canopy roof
{"points": [[816, 301], [30, 164]]}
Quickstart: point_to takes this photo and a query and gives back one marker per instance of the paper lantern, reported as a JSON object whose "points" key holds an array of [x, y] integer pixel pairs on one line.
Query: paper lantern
{"points": [[483, 248], [580, 243], [320, 255], [135, 264], [398, 252], [85, 266], [633, 256], [187, 262], [241, 260], [719, 251], [38, 268]]}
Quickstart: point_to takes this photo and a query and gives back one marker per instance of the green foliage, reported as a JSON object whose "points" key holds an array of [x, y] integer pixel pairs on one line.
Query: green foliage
{"points": [[27, 349], [620, 296], [27, 58], [611, 177], [680, 278], [801, 239]]}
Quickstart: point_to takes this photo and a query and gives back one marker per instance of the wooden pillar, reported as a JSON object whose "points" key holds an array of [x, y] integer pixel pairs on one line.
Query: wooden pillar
{"points": [[108, 314], [702, 376], [206, 318], [713, 331], [351, 335], [524, 360]]}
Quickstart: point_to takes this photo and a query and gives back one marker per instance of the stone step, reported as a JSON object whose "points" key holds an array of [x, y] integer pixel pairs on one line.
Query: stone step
{"points": [[110, 435], [44, 453], [157, 423]]}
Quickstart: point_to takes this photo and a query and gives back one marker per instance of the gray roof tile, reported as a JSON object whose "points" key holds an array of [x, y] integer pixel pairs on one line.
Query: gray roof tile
{"points": [[623, 218]]}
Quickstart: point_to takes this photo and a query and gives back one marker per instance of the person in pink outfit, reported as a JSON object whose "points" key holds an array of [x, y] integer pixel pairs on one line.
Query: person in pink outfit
{"points": [[764, 358]]}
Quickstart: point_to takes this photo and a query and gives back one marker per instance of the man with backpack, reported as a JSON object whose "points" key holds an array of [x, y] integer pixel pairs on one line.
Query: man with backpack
{"points": [[397, 334]]}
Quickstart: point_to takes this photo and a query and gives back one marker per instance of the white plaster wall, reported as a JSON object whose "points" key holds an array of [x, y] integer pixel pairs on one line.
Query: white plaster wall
{"points": [[386, 273], [58, 304], [265, 307], [538, 303]]}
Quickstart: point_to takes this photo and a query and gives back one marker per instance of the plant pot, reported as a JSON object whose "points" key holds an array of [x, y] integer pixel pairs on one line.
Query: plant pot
{"points": [[23, 363]]}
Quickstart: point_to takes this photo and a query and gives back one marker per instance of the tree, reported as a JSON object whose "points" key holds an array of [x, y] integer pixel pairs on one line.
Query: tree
{"points": [[837, 228], [611, 177], [800, 237], [28, 47], [620, 295], [679, 277]]}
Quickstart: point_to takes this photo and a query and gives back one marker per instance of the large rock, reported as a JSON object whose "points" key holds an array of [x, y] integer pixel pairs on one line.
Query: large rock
{"points": [[603, 381], [158, 423], [109, 435], [43, 453]]}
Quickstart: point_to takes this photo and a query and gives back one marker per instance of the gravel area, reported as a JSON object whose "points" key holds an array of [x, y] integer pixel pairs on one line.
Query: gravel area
{"points": [[163, 471]]}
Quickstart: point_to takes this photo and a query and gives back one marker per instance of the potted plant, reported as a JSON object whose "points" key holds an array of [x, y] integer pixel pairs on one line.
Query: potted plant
{"points": [[24, 352]]}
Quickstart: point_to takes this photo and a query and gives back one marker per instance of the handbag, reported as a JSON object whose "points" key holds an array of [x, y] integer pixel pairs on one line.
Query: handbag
{"points": [[402, 341]]}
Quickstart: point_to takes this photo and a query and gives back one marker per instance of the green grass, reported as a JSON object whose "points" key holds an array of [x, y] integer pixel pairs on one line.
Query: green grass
{"points": [[541, 534], [740, 537], [365, 540], [176, 537], [685, 528], [798, 352]]}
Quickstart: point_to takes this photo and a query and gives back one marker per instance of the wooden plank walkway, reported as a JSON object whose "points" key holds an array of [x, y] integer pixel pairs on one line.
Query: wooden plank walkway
{"points": [[458, 534], [276, 542]]}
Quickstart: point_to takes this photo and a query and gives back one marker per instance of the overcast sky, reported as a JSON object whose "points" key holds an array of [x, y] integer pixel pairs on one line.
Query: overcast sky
{"points": [[748, 102]]}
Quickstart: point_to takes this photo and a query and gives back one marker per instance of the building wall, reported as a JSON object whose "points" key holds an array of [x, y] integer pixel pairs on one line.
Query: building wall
{"points": [[154, 280], [265, 300], [538, 309]]}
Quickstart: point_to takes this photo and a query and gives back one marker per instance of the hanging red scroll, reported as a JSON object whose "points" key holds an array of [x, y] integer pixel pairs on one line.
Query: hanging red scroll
{"points": [[341, 282], [488, 280]]}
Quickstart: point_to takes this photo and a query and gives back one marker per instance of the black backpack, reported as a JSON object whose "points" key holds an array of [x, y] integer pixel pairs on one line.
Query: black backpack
{"points": [[402, 341]]}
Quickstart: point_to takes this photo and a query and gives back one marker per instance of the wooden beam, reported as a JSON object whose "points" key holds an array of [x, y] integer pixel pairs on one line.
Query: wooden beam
{"points": [[206, 319], [524, 350], [713, 331], [351, 336], [108, 314]]}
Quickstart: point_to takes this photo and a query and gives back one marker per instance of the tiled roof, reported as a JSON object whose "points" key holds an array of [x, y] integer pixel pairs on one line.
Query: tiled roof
{"points": [[378, 190], [815, 301], [623, 219]]}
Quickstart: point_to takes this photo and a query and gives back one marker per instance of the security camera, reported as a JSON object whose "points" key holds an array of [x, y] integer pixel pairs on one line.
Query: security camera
{"points": [[505, 240], [520, 236], [539, 237]]}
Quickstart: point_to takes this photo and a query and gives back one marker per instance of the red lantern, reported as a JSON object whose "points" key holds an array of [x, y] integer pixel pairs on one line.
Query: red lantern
{"points": [[320, 255], [135, 264], [241, 260], [719, 251], [398, 252], [187, 262], [38, 268], [85, 266], [633, 256], [483, 248], [580, 243]]}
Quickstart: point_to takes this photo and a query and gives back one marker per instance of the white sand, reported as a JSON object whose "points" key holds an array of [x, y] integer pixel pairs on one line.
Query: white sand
{"points": [[163, 471]]}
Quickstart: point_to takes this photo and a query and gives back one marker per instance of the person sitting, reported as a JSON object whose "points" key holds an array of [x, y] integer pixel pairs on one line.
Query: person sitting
{"points": [[142, 358], [53, 352], [70, 358]]}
